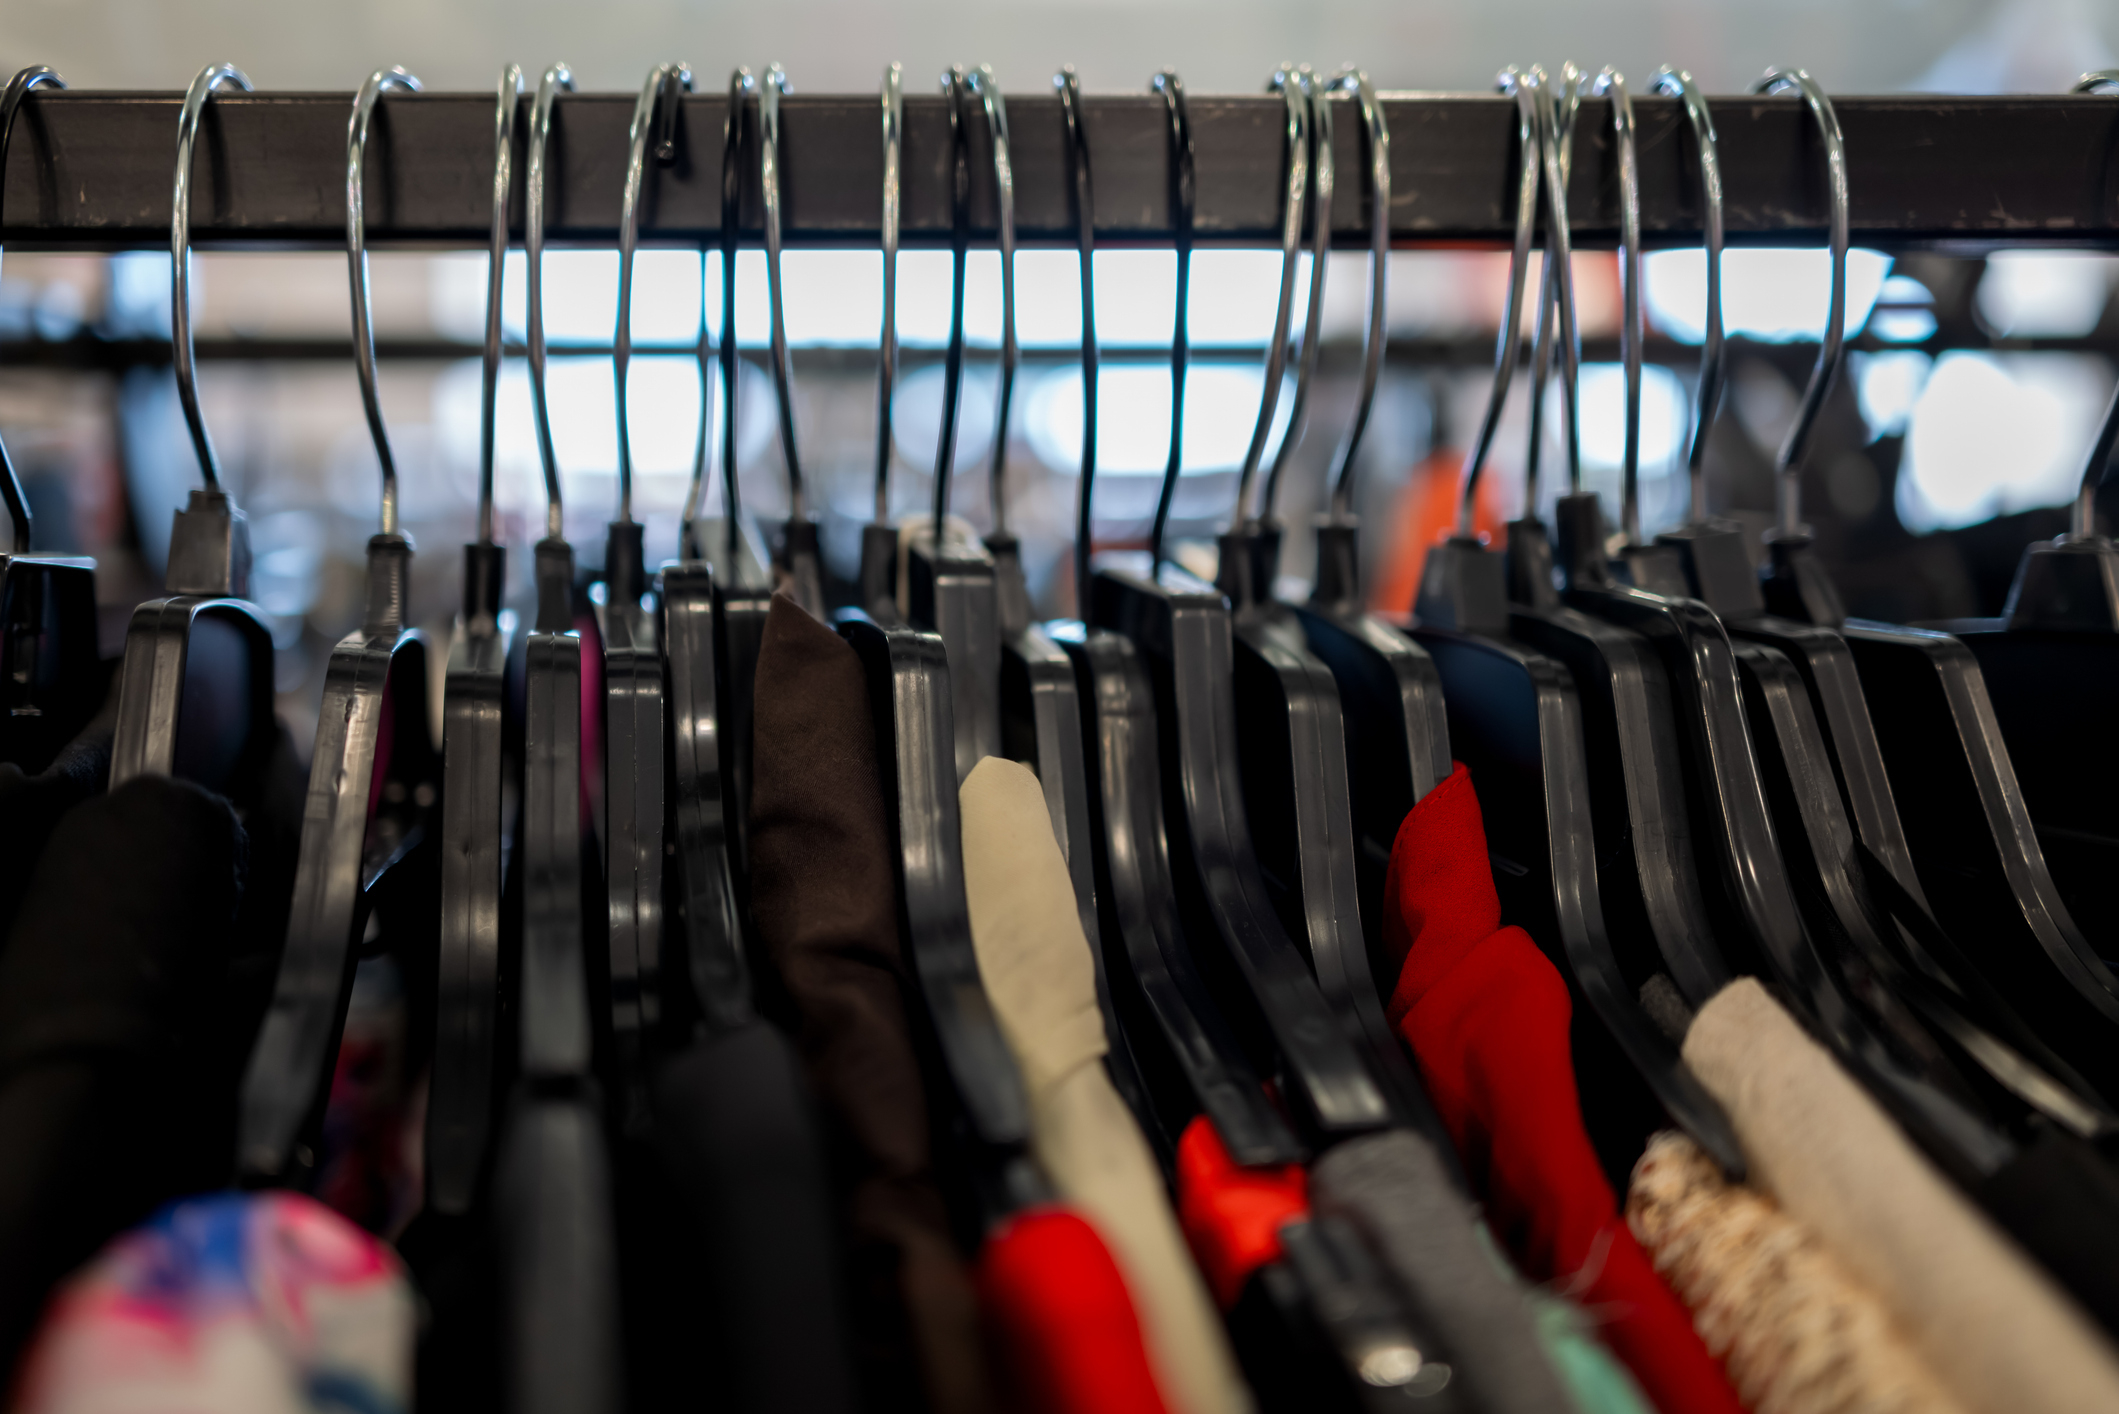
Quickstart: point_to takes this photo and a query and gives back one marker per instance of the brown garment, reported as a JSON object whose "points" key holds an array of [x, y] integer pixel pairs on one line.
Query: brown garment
{"points": [[825, 897]]}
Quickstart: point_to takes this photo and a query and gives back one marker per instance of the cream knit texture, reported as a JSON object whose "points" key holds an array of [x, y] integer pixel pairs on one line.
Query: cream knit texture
{"points": [[1993, 1328], [1795, 1331], [1041, 979]]}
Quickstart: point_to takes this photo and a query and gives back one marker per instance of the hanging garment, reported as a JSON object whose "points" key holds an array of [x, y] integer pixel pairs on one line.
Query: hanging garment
{"points": [[117, 1076], [754, 1237], [264, 1303], [1989, 1323], [1487, 1015], [1059, 1311], [824, 895], [1796, 1332], [1393, 1189], [1035, 962]]}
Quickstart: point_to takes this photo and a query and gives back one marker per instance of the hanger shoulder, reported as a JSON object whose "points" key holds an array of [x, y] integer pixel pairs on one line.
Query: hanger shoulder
{"points": [[460, 1104], [713, 927], [292, 1057], [634, 808], [554, 1007], [908, 683], [1360, 647]]}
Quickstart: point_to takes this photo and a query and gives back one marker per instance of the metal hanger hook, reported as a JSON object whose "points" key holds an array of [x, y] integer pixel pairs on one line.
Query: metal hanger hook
{"points": [[378, 83], [209, 79], [2082, 518], [1184, 190], [1680, 83], [557, 80], [1323, 175], [1559, 102], [1374, 330], [675, 79], [18, 88], [1295, 174], [988, 90], [1070, 94], [893, 100], [740, 86], [1611, 84], [1522, 87], [505, 102], [953, 88], [1788, 465], [770, 93]]}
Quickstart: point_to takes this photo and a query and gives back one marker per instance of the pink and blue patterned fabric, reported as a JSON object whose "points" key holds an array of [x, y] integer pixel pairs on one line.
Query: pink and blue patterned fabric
{"points": [[257, 1303]]}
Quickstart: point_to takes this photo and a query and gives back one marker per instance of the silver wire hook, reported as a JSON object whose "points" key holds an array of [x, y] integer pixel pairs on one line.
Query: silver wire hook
{"points": [[660, 77], [557, 80], [887, 358], [1374, 331], [1322, 177], [953, 83], [505, 102], [1612, 84], [2082, 519], [1184, 190], [1557, 113], [1295, 174], [18, 88], [1078, 173], [1529, 138], [770, 93], [1561, 136], [988, 90], [378, 83], [1788, 465], [203, 87], [1678, 82]]}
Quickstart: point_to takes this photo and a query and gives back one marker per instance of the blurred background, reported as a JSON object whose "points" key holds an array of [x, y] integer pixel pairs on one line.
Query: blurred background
{"points": [[1952, 441]]}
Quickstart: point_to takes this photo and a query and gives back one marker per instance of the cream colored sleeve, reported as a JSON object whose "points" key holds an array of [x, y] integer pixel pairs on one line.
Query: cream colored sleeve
{"points": [[1039, 975], [1992, 1326]]}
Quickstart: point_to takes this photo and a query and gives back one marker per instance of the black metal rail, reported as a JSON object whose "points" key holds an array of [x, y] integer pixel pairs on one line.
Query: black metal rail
{"points": [[93, 171]]}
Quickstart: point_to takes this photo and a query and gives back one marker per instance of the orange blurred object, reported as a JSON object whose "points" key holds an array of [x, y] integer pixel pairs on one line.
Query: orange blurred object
{"points": [[1425, 512]]}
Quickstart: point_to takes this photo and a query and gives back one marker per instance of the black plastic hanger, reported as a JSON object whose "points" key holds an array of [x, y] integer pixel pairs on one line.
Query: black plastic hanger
{"points": [[557, 1268], [743, 582], [1182, 633], [1516, 720], [709, 912], [1397, 736], [949, 577], [49, 680], [474, 709], [2051, 664], [1818, 843], [373, 718], [1290, 737], [1956, 786], [908, 672], [195, 699], [1038, 718], [635, 772], [1189, 1060]]}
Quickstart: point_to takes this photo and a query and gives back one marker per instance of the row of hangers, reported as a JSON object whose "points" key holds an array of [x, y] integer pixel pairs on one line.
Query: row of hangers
{"points": [[1688, 771]]}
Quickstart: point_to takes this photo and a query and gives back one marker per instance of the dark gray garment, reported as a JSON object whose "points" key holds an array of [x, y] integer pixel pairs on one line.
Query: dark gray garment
{"points": [[1391, 1187], [558, 1260]]}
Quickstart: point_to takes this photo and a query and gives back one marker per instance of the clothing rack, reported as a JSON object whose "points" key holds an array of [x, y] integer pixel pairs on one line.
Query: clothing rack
{"points": [[92, 171]]}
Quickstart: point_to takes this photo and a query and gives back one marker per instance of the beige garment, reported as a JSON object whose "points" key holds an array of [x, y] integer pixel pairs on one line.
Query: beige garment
{"points": [[1038, 973], [1992, 1327], [1796, 1332]]}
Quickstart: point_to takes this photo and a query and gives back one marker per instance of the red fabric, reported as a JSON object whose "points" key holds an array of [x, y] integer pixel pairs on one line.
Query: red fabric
{"points": [[1059, 1310], [1232, 1216], [1488, 1015]]}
